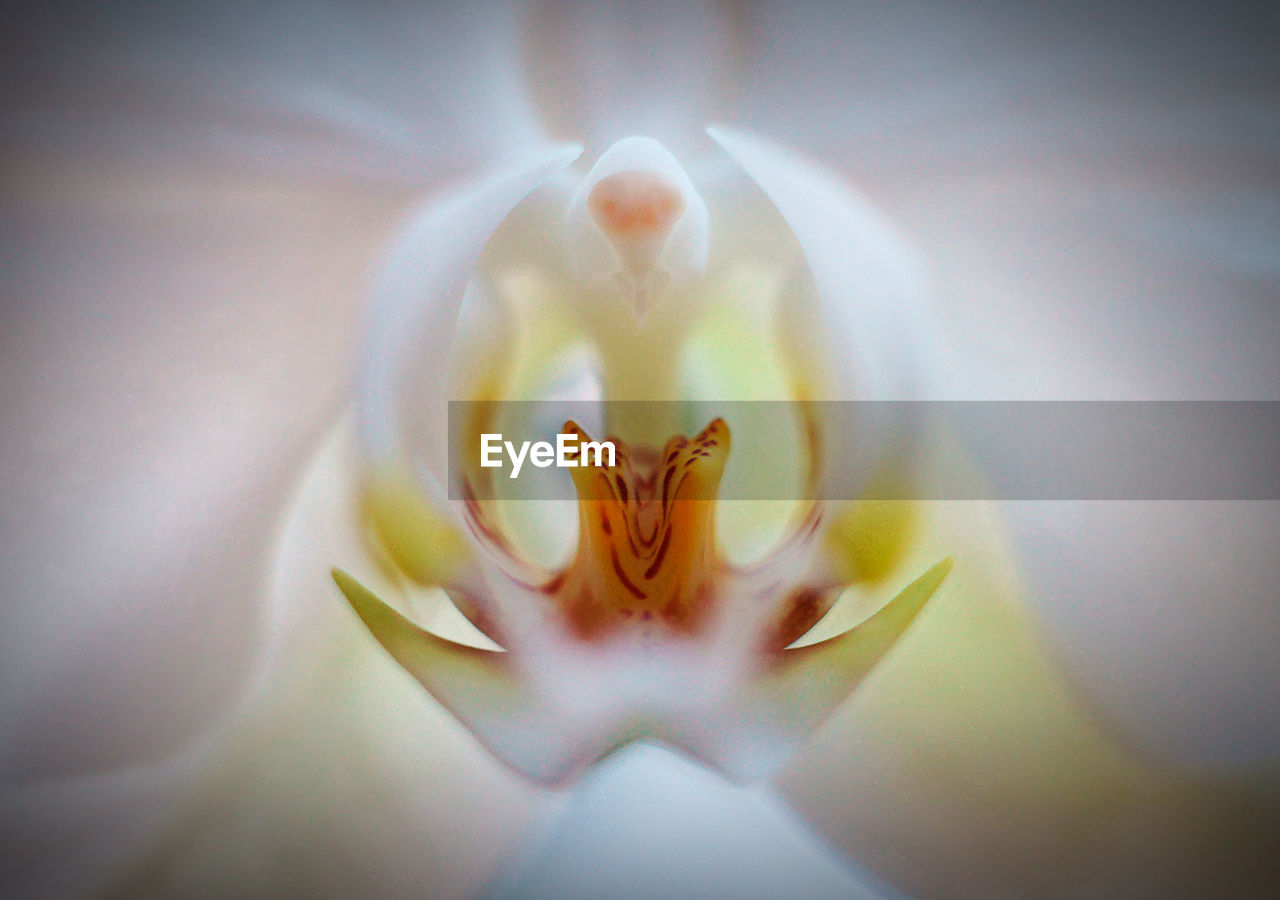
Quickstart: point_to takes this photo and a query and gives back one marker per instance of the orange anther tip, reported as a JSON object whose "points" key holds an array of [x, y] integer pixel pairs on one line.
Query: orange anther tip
{"points": [[635, 204]]}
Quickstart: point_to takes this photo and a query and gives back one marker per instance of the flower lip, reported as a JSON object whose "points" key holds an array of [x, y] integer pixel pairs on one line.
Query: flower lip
{"points": [[646, 557]]}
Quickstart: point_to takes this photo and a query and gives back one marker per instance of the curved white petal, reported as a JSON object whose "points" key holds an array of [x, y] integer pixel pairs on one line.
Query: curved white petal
{"points": [[866, 338], [414, 306], [870, 309]]}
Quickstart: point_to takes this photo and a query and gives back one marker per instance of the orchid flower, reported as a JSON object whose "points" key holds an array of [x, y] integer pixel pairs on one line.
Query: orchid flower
{"points": [[647, 629], [195, 201]]}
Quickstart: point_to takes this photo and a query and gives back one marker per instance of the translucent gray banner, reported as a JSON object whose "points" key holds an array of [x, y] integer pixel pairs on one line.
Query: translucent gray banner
{"points": [[1114, 450]]}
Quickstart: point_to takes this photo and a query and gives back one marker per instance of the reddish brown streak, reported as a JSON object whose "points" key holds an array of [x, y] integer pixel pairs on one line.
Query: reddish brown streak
{"points": [[622, 576], [662, 552]]}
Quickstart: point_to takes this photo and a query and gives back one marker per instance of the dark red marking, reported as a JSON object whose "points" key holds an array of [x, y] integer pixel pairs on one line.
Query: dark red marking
{"points": [[622, 576], [666, 483], [662, 552]]}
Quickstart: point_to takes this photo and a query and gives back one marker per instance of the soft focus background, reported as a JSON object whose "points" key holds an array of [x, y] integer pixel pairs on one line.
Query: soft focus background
{"points": [[191, 202]]}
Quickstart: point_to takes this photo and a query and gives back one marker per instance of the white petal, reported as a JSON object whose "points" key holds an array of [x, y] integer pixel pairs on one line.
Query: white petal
{"points": [[172, 339], [337, 773], [777, 710], [1098, 217], [865, 337], [414, 308], [411, 95], [868, 289], [965, 765], [1173, 638], [601, 72], [174, 333], [913, 96], [687, 833]]}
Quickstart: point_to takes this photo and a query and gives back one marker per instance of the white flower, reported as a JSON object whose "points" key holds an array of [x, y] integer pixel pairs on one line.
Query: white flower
{"points": [[193, 203], [647, 628]]}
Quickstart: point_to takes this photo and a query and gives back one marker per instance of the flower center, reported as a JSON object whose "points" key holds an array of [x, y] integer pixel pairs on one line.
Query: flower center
{"points": [[646, 559]]}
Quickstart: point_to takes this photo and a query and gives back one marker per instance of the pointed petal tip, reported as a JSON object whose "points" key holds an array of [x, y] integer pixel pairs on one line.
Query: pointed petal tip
{"points": [[361, 599], [904, 608], [885, 626], [920, 591], [567, 153], [383, 622], [726, 134]]}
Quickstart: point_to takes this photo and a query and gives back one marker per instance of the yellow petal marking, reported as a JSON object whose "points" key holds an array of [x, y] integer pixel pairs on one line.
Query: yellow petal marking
{"points": [[867, 539], [420, 541]]}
